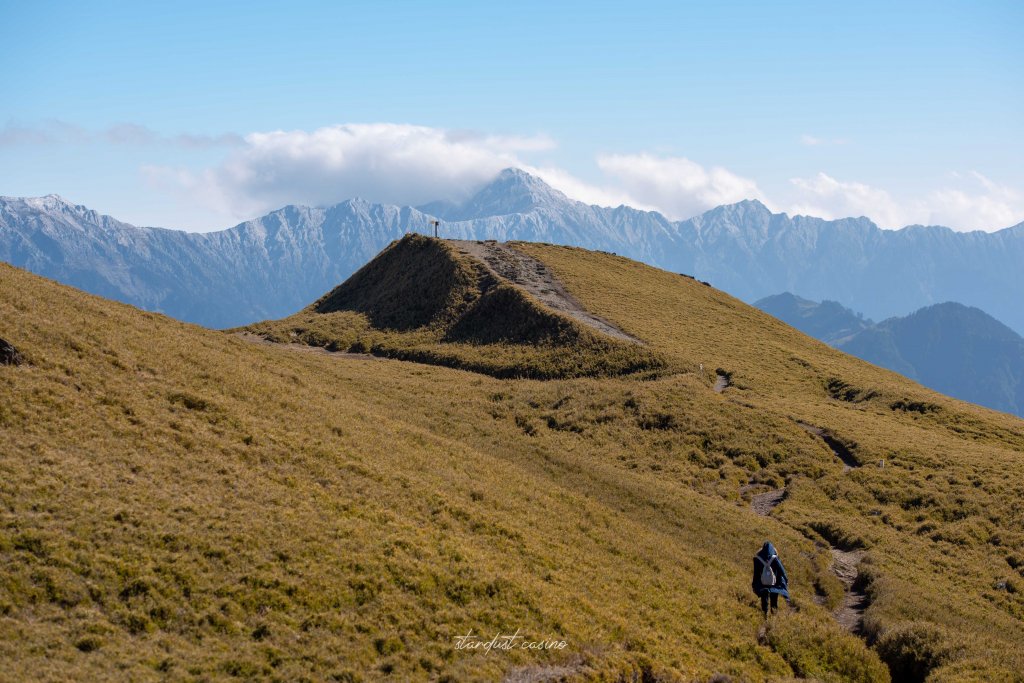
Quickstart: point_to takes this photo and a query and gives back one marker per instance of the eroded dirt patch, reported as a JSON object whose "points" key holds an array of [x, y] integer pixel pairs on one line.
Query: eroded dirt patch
{"points": [[544, 673], [850, 614], [722, 383], [837, 447], [764, 503]]}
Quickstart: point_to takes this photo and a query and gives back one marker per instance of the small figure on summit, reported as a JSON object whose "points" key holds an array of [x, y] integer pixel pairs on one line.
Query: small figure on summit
{"points": [[770, 580]]}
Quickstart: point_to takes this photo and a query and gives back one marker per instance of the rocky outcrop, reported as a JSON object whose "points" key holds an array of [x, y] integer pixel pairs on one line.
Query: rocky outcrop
{"points": [[9, 355]]}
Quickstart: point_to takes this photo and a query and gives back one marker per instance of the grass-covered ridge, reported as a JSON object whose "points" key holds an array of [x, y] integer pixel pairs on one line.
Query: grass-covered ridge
{"points": [[180, 503], [421, 300]]}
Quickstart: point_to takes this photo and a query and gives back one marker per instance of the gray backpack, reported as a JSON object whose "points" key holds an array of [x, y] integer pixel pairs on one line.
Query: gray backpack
{"points": [[767, 575]]}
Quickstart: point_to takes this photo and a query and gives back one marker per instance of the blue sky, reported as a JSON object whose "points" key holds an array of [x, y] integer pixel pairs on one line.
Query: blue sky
{"points": [[166, 114]]}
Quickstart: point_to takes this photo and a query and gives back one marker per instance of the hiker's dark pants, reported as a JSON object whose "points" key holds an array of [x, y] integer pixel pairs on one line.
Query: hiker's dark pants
{"points": [[765, 596]]}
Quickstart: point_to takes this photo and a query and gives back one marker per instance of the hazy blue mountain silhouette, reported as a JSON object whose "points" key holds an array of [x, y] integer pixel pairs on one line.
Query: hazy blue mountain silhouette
{"points": [[275, 264], [829, 321], [955, 349]]}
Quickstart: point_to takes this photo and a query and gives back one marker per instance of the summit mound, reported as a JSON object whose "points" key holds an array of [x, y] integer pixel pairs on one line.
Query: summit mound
{"points": [[477, 306]]}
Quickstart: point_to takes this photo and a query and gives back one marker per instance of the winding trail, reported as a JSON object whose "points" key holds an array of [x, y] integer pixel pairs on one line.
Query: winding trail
{"points": [[850, 614], [535, 277], [835, 445], [764, 503], [544, 673], [304, 348]]}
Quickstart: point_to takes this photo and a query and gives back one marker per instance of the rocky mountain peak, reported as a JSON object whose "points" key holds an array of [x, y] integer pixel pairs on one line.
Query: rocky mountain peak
{"points": [[513, 191]]}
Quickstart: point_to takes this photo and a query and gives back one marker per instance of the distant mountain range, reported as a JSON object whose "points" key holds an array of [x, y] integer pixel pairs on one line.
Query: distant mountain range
{"points": [[829, 321], [272, 266], [958, 350]]}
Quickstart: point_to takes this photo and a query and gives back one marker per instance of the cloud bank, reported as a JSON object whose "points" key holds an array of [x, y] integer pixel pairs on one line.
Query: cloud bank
{"points": [[969, 202], [676, 186], [379, 162], [62, 133], [408, 165]]}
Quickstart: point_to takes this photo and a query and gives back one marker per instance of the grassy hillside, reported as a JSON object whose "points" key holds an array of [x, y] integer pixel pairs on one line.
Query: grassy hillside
{"points": [[181, 504]]}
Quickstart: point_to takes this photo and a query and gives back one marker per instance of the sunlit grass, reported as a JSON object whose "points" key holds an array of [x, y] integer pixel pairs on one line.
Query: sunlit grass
{"points": [[179, 502]]}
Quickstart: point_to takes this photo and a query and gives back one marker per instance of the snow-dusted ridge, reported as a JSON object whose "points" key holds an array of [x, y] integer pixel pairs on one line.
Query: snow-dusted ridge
{"points": [[271, 266]]}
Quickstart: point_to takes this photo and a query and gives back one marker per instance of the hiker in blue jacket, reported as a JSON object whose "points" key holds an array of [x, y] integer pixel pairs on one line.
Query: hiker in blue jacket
{"points": [[770, 580]]}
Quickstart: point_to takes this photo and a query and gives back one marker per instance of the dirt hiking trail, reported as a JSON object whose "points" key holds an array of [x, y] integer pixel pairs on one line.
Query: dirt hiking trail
{"points": [[764, 503], [544, 673], [304, 348], [835, 445], [533, 276], [850, 613]]}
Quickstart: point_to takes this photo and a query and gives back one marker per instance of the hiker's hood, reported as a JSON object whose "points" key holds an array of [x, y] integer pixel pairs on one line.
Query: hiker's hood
{"points": [[767, 550]]}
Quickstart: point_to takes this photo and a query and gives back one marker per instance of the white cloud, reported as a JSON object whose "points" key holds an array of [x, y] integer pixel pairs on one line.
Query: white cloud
{"points": [[408, 165], [826, 197], [129, 134], [63, 133], [815, 141], [982, 204], [380, 162], [973, 202], [48, 133], [676, 186]]}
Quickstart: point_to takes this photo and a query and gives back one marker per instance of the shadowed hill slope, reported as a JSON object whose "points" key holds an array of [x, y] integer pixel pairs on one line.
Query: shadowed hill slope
{"points": [[180, 503], [413, 283]]}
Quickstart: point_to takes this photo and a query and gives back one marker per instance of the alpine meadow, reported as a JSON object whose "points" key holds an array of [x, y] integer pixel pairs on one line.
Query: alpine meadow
{"points": [[343, 494]]}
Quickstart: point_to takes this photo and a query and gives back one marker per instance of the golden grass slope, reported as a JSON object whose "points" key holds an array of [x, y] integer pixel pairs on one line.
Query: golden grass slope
{"points": [[178, 504]]}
